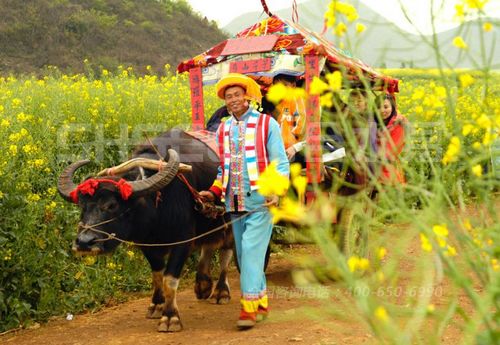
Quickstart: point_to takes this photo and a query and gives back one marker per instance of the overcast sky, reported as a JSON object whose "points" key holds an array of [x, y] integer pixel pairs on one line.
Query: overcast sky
{"points": [[223, 11]]}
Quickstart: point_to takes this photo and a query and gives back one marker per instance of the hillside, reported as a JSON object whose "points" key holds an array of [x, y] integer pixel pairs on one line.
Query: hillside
{"points": [[383, 44], [63, 33]]}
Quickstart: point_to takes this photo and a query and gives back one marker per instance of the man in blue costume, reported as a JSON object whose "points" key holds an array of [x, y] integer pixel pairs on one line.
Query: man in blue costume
{"points": [[248, 142]]}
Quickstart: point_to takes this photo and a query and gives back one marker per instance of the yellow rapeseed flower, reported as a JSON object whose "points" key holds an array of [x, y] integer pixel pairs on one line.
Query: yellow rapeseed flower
{"points": [[276, 93], [440, 230], [340, 29], [89, 260], [477, 145], [334, 80], [476, 4], [271, 182], [466, 80], [495, 265], [381, 314], [431, 308], [381, 253], [477, 170], [487, 27], [459, 43], [326, 100], [460, 12], [289, 210], [426, 244], [356, 263], [450, 251], [13, 150], [360, 28], [318, 86], [453, 150], [467, 129]]}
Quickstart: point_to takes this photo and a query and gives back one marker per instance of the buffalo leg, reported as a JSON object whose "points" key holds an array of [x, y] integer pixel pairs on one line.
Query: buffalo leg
{"points": [[221, 293], [203, 284], [157, 262], [171, 321]]}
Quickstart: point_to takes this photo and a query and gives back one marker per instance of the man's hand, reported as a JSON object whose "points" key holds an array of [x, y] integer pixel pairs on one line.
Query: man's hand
{"points": [[207, 196], [272, 201], [290, 152]]}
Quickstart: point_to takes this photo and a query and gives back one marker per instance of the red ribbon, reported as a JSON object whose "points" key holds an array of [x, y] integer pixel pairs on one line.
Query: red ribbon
{"points": [[90, 186]]}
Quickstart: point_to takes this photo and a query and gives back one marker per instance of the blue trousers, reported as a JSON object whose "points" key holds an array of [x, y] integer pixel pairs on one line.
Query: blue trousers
{"points": [[252, 235]]}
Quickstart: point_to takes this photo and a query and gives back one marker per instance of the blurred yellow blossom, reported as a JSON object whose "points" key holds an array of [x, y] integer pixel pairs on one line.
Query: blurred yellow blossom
{"points": [[476, 4], [467, 129], [334, 80], [453, 150], [89, 260], [276, 93], [430, 308], [487, 27], [495, 265], [360, 28], [381, 314], [340, 29], [450, 251], [318, 86], [288, 210], [426, 244], [271, 182], [466, 80], [440, 230], [459, 12], [381, 253], [326, 100], [459, 43], [356, 263], [477, 170]]}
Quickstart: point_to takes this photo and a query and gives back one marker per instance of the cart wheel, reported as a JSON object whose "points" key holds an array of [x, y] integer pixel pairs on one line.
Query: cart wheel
{"points": [[353, 231], [266, 262]]}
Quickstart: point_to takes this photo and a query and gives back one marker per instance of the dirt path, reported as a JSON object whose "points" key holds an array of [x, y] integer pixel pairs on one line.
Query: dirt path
{"points": [[205, 323], [289, 322]]}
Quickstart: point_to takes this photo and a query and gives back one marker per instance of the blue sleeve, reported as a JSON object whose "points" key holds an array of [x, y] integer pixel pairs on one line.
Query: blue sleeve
{"points": [[276, 148]]}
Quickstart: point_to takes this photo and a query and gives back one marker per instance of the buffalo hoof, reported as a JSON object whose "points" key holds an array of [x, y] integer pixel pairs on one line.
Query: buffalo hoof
{"points": [[203, 286], [155, 311], [170, 324], [220, 296]]}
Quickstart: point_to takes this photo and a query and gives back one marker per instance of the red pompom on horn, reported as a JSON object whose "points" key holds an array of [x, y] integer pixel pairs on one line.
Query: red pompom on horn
{"points": [[89, 187]]}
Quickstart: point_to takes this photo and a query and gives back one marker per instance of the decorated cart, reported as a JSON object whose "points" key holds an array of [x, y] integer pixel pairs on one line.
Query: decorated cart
{"points": [[277, 46]]}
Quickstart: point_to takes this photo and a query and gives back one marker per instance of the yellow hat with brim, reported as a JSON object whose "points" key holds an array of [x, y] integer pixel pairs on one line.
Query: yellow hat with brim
{"points": [[252, 89]]}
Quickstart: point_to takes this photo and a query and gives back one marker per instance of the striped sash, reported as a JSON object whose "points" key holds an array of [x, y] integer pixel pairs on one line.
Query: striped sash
{"points": [[256, 133]]}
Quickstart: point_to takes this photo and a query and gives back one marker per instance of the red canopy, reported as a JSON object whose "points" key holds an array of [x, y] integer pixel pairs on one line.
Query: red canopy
{"points": [[281, 37]]}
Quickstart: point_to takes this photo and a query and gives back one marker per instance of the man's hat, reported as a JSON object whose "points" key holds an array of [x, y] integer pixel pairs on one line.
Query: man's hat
{"points": [[252, 89]]}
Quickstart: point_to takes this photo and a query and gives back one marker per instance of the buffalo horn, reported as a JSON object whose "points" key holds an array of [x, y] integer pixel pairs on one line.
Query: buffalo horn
{"points": [[65, 183], [160, 179]]}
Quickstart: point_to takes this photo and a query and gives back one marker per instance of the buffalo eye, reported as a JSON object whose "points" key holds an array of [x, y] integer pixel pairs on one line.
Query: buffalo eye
{"points": [[110, 206]]}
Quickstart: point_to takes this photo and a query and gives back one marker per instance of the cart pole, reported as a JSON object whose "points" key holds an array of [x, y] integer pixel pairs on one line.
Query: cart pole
{"points": [[197, 111], [313, 126]]}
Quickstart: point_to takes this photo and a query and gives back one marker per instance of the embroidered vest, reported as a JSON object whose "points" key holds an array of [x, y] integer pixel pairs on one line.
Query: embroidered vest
{"points": [[256, 156]]}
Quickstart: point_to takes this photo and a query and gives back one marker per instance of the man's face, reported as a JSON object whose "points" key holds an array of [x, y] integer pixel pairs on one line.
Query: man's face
{"points": [[234, 96]]}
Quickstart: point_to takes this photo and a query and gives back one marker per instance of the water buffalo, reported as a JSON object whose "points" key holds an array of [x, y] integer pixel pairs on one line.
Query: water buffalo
{"points": [[158, 208]]}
